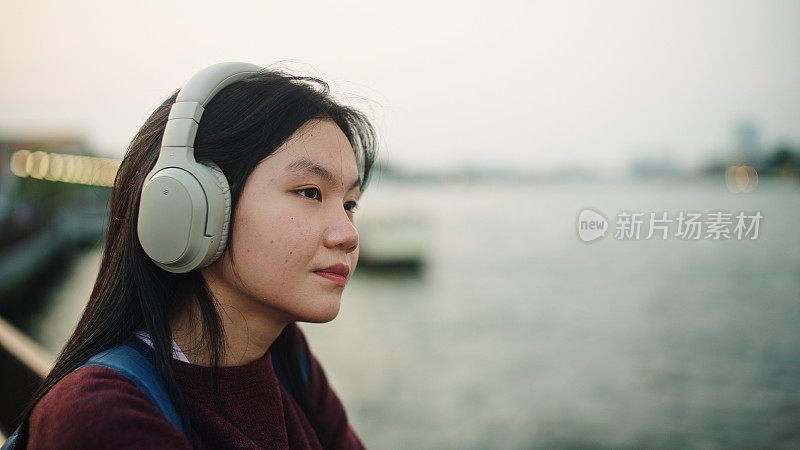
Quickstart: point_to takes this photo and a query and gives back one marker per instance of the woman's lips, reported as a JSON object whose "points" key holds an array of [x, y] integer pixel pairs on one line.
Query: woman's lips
{"points": [[335, 277]]}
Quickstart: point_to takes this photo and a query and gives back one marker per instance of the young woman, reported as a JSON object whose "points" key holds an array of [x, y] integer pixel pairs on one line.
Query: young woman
{"points": [[220, 323]]}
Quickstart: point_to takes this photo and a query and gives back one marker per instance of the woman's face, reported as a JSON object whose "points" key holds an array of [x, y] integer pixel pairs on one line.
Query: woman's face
{"points": [[293, 230]]}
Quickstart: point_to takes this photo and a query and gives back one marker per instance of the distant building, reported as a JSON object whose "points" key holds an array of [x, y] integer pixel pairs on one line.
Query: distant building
{"points": [[663, 165], [747, 144]]}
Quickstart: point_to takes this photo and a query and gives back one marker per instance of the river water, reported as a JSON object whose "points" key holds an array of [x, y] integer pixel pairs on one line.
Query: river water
{"points": [[519, 335]]}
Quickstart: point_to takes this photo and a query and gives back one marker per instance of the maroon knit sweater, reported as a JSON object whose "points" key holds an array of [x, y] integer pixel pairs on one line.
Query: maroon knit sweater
{"points": [[95, 407]]}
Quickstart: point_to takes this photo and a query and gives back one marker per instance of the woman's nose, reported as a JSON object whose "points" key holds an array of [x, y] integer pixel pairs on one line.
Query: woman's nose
{"points": [[341, 232]]}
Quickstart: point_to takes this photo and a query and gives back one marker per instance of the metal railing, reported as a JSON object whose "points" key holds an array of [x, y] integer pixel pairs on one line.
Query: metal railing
{"points": [[23, 366]]}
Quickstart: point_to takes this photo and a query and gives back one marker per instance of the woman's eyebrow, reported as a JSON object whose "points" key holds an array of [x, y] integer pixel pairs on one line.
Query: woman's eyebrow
{"points": [[306, 165]]}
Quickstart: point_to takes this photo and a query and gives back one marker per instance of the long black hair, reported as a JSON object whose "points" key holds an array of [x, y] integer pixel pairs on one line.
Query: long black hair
{"points": [[244, 123]]}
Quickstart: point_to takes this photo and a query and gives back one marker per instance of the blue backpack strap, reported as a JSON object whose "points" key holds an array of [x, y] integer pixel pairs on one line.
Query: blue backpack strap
{"points": [[304, 365], [129, 360], [131, 364], [283, 376]]}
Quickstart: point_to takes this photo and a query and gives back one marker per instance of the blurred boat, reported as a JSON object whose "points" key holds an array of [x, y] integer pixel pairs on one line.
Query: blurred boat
{"points": [[393, 238]]}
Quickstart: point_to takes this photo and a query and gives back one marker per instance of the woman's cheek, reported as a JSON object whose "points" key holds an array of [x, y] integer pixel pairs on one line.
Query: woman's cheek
{"points": [[291, 244]]}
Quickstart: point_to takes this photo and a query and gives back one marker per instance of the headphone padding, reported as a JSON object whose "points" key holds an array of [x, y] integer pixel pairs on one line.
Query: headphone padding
{"points": [[222, 182]]}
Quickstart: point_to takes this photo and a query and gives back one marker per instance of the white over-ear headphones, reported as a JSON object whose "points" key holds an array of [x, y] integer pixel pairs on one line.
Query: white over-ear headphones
{"points": [[185, 206]]}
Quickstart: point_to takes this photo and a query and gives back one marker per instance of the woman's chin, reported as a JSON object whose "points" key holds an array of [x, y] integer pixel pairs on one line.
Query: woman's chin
{"points": [[323, 312]]}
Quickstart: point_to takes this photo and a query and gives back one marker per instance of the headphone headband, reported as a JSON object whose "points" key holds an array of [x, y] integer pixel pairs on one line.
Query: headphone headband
{"points": [[185, 114], [205, 84]]}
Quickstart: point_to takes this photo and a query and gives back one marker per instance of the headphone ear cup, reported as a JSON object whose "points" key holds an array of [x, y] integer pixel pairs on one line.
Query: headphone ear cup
{"points": [[222, 182]]}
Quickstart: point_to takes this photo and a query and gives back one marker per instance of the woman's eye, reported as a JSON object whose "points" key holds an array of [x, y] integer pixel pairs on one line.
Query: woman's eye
{"points": [[312, 193], [350, 206]]}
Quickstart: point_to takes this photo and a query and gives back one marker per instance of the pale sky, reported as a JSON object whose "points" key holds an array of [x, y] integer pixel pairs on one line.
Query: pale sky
{"points": [[511, 84]]}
